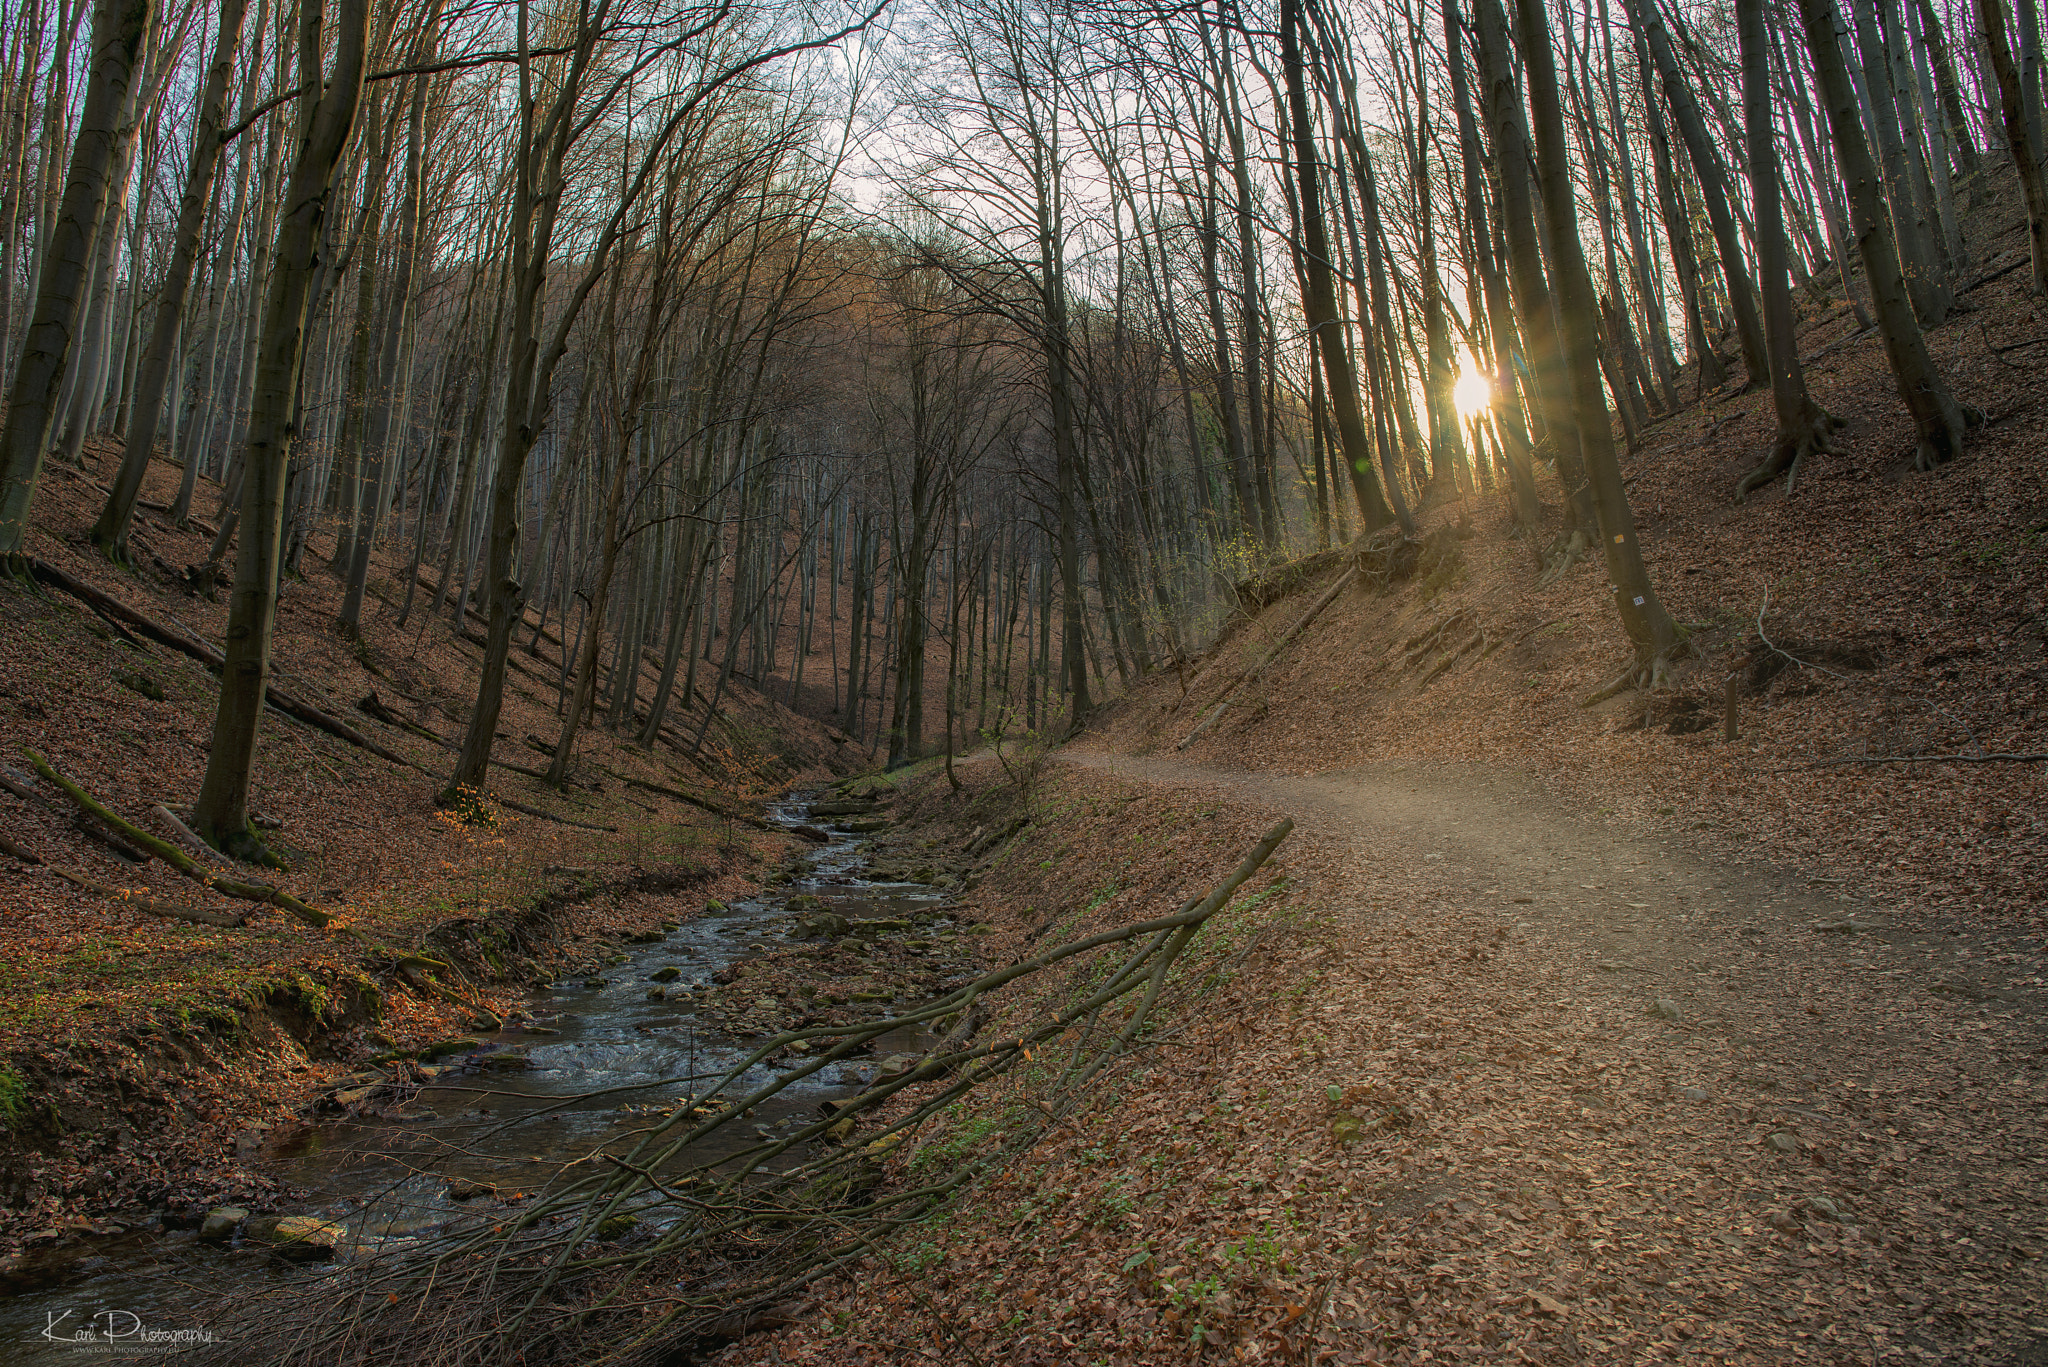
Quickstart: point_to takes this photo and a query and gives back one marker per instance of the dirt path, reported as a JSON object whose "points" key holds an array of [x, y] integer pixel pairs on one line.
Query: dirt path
{"points": [[1675, 1104]]}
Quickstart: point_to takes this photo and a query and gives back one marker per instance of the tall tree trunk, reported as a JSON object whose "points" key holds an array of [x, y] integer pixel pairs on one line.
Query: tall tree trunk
{"points": [[2019, 135], [1534, 314], [221, 813], [119, 28], [1643, 616], [1319, 298], [110, 532], [1713, 183], [1803, 425], [1939, 419]]}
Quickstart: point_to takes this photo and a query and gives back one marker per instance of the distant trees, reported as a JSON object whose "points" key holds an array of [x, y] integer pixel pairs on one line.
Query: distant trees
{"points": [[580, 341], [74, 232]]}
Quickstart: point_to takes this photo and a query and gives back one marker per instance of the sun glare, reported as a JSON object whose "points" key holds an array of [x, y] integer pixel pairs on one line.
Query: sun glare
{"points": [[1472, 393]]}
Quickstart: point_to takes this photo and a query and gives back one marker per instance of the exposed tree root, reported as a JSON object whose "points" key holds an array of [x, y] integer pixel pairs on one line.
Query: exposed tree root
{"points": [[1790, 449], [1568, 552], [1928, 456], [1647, 674]]}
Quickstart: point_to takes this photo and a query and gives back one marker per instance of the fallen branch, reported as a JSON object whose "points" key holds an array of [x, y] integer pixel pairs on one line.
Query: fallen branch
{"points": [[1329, 597], [719, 809], [149, 906], [177, 858], [544, 815], [189, 839], [1914, 759], [798, 1204], [109, 606]]}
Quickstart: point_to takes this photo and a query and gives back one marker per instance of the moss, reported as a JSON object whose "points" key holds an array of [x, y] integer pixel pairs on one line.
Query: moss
{"points": [[13, 1098]]}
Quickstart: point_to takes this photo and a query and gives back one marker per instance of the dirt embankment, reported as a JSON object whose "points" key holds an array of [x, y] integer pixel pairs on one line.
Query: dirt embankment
{"points": [[145, 1063], [1484, 1079]]}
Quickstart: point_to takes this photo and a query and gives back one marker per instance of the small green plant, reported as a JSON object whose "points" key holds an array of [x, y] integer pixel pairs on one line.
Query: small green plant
{"points": [[13, 1098]]}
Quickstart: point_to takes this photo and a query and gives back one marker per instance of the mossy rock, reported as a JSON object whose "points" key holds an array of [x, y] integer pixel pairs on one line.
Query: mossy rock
{"points": [[447, 1047], [303, 1238]]}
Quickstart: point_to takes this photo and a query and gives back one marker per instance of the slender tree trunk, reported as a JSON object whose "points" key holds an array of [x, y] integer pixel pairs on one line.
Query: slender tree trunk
{"points": [[1713, 183], [110, 532], [1319, 297], [221, 813], [1643, 616], [1939, 419], [2019, 136], [1803, 425], [118, 32]]}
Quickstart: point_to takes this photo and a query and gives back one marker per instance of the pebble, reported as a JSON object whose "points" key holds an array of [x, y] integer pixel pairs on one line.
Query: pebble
{"points": [[1664, 1009], [1695, 1094], [1782, 1141]]}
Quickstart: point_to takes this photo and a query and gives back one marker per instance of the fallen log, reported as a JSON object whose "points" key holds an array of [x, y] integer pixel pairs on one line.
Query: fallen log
{"points": [[149, 906], [109, 606], [177, 858]]}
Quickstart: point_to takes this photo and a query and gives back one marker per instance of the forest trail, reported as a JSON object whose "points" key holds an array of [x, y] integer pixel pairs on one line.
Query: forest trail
{"points": [[1785, 1114]]}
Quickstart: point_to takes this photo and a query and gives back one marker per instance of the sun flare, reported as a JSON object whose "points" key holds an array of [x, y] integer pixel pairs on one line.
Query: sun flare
{"points": [[1472, 393]]}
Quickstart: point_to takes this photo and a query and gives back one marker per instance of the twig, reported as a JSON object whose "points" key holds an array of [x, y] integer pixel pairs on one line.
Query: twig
{"points": [[1780, 650]]}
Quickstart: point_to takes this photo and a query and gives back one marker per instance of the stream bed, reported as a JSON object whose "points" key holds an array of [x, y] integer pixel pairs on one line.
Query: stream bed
{"points": [[591, 1060]]}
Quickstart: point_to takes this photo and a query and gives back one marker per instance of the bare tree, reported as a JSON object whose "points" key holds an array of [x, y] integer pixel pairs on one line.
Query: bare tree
{"points": [[1803, 425], [221, 812], [119, 30]]}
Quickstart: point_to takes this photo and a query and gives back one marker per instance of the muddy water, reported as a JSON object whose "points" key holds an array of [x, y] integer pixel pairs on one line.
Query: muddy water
{"points": [[594, 1056]]}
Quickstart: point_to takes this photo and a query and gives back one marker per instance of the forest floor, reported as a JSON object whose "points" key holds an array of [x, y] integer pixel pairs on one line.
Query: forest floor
{"points": [[149, 1063], [1573, 1032], [1502, 1078]]}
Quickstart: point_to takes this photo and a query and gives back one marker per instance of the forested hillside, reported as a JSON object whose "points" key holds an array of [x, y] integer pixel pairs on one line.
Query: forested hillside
{"points": [[465, 465]]}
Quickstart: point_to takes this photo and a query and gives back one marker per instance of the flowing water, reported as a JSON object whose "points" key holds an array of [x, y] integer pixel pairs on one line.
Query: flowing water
{"points": [[599, 1056]]}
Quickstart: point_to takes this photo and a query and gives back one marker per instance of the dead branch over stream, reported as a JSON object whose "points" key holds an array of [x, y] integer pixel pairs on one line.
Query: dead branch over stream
{"points": [[733, 1236]]}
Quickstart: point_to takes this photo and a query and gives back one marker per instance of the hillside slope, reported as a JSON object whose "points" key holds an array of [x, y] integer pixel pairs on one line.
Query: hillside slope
{"points": [[1876, 614], [134, 1047]]}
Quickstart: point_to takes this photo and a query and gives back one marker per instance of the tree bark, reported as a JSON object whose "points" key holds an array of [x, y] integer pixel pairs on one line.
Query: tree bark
{"points": [[1938, 418], [118, 30], [221, 813]]}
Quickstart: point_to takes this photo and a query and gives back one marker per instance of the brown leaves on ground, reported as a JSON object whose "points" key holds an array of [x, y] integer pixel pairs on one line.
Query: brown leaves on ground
{"points": [[147, 1046]]}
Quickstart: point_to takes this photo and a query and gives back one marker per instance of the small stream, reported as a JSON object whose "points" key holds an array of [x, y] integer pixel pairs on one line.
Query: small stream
{"points": [[595, 1054]]}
